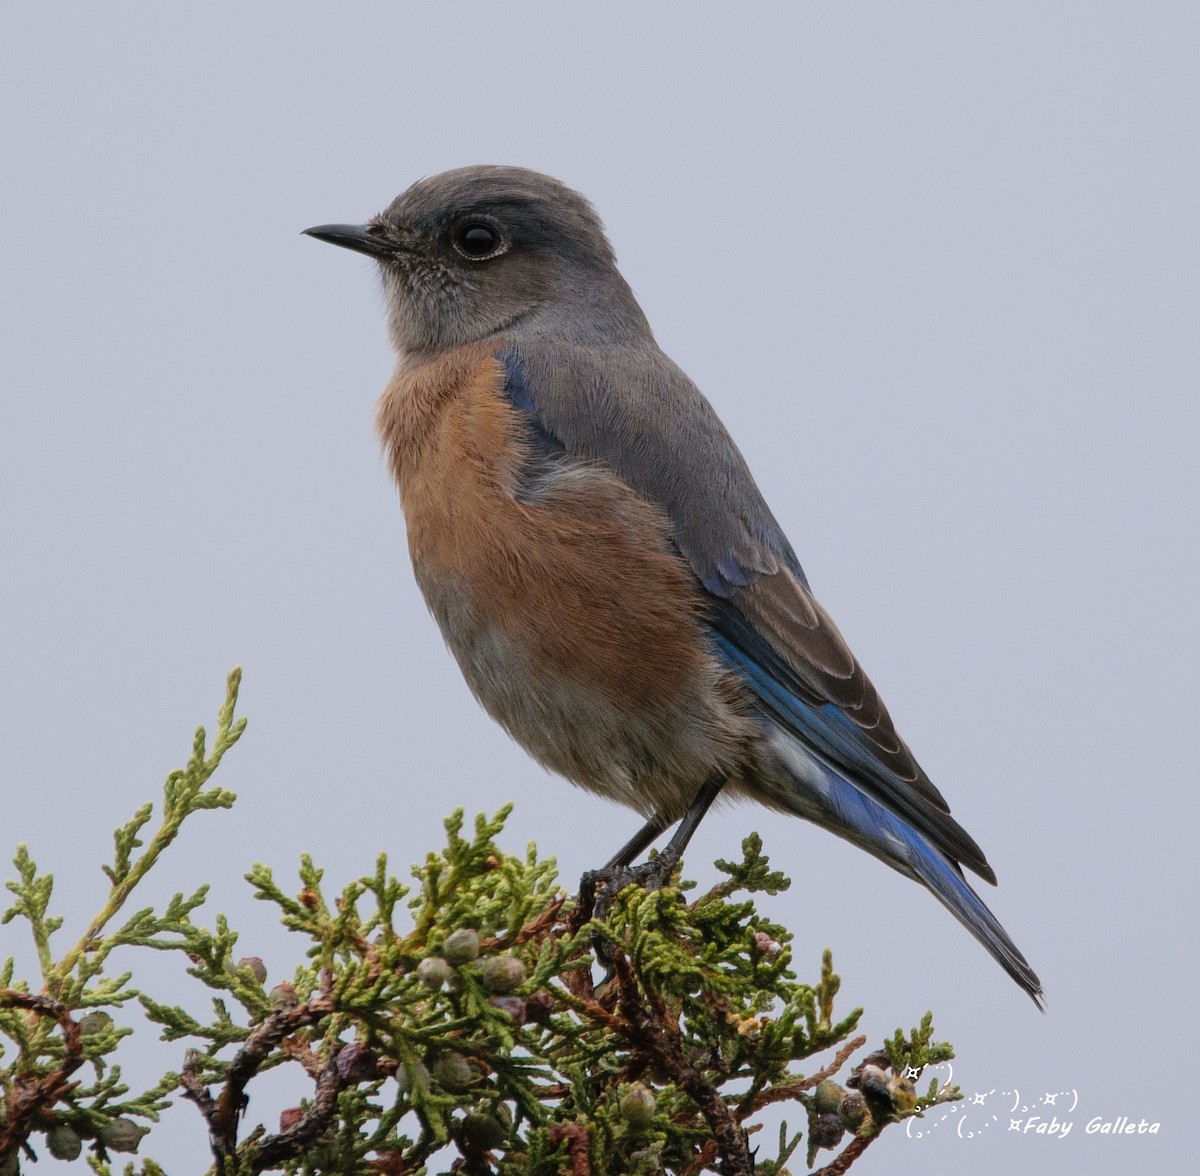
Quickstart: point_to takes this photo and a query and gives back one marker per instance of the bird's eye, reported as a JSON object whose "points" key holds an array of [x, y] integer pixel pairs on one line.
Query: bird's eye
{"points": [[477, 240]]}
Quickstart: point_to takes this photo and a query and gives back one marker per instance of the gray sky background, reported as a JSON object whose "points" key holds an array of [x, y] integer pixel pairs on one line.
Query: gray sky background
{"points": [[936, 266]]}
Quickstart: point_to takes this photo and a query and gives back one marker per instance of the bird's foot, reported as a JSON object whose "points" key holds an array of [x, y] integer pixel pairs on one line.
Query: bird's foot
{"points": [[602, 886], [598, 889]]}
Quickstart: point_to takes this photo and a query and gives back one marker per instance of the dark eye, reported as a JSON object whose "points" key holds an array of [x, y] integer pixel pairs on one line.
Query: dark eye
{"points": [[477, 239]]}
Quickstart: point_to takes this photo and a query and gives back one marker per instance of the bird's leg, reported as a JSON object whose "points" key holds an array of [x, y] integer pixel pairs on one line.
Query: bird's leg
{"points": [[618, 863], [599, 887], [657, 872], [632, 849]]}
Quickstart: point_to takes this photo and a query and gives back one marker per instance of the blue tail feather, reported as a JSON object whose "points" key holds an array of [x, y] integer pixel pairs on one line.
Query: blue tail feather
{"points": [[826, 795]]}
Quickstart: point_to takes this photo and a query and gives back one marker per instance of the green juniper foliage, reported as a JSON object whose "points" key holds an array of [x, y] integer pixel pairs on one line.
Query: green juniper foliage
{"points": [[457, 1015]]}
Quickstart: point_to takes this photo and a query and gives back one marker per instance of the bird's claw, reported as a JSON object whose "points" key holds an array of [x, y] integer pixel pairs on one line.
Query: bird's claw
{"points": [[600, 887]]}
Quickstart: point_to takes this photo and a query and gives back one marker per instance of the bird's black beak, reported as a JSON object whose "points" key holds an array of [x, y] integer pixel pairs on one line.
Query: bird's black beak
{"points": [[360, 238]]}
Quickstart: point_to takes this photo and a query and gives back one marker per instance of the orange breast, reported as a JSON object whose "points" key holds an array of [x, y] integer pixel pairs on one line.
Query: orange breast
{"points": [[583, 579]]}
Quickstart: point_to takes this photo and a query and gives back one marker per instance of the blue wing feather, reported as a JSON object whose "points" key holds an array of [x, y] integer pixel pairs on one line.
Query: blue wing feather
{"points": [[823, 724]]}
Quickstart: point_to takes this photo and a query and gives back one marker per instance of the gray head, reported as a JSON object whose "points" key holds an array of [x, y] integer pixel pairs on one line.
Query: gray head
{"points": [[483, 251]]}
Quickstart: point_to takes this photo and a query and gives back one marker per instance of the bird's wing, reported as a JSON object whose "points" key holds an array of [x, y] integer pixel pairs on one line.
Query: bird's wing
{"points": [[637, 414], [799, 667]]}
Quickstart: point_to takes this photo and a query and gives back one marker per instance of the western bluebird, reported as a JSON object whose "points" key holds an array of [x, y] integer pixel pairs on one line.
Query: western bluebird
{"points": [[597, 554]]}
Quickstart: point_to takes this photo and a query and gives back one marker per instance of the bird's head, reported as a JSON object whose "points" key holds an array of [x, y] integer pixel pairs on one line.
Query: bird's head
{"points": [[470, 253]]}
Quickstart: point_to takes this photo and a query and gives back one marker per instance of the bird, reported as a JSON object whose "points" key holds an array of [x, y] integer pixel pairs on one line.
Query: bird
{"points": [[599, 559]]}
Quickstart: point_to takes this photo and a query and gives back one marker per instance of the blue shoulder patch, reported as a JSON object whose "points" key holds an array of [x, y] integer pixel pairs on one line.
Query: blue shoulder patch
{"points": [[548, 455], [516, 386]]}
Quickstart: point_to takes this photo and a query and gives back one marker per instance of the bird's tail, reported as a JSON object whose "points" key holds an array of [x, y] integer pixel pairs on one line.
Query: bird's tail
{"points": [[819, 793]]}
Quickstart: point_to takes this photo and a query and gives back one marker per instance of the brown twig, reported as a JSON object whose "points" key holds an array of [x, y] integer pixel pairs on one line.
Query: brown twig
{"points": [[193, 1088], [598, 1013], [223, 1112], [839, 1060], [249, 1059], [300, 1051], [578, 1146], [585, 905], [578, 981], [660, 1039], [788, 1090], [274, 1150], [840, 1164], [534, 929], [703, 1159], [34, 1093]]}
